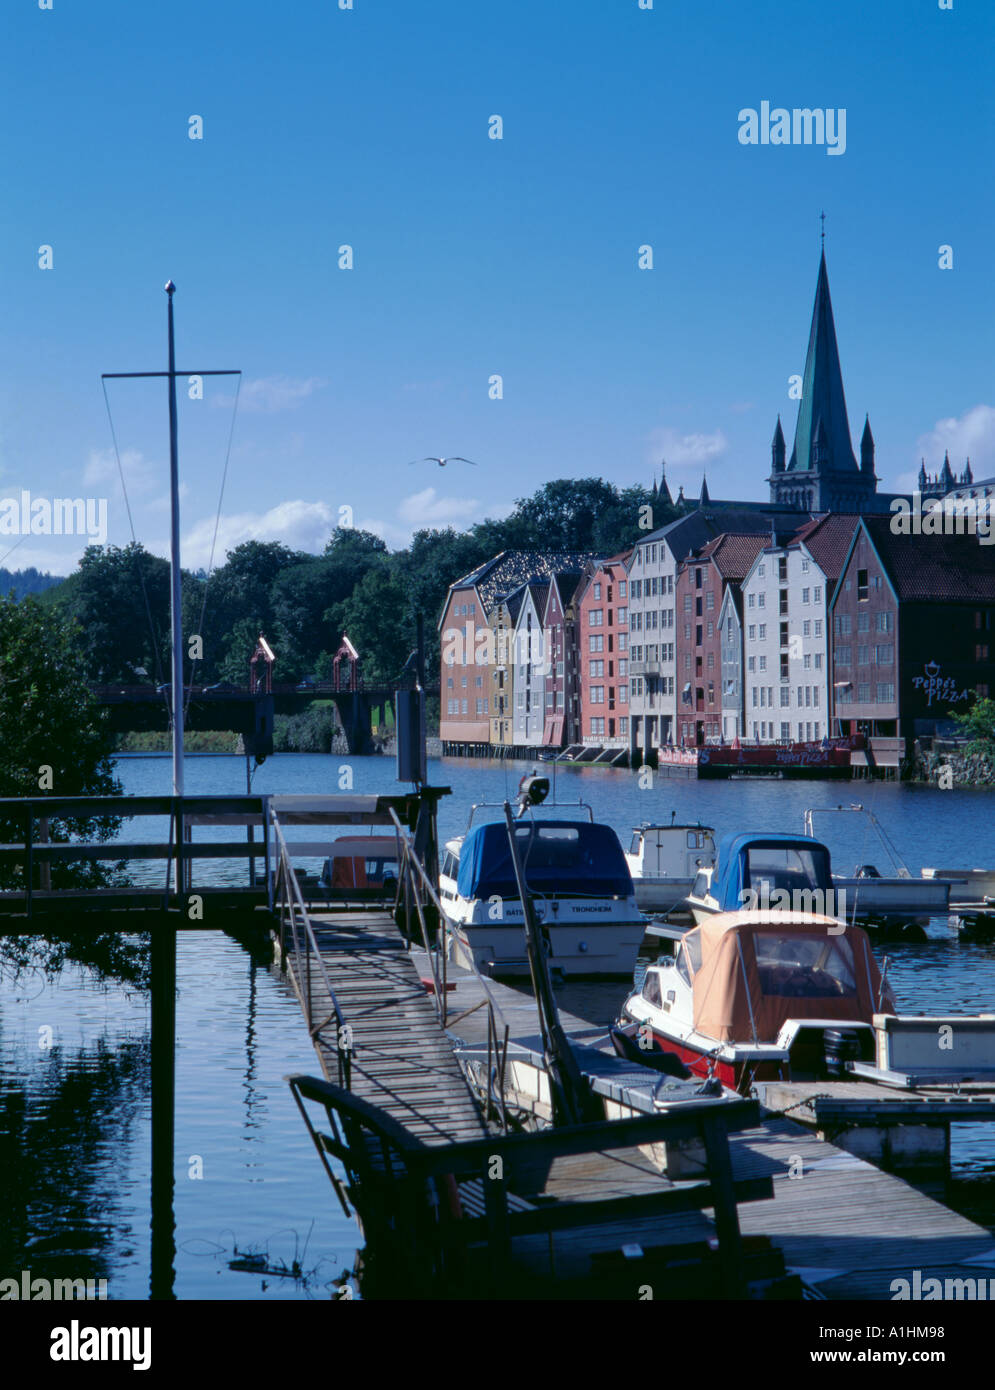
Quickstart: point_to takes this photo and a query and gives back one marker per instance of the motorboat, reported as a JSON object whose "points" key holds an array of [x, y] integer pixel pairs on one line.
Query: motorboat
{"points": [[871, 894], [968, 887], [580, 884], [762, 995], [664, 861], [771, 872]]}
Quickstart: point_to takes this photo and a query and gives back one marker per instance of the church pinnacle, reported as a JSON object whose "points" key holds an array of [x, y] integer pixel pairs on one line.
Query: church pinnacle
{"points": [[823, 402]]}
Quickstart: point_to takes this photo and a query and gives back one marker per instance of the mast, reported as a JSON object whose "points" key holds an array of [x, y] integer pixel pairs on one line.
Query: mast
{"points": [[175, 577]]}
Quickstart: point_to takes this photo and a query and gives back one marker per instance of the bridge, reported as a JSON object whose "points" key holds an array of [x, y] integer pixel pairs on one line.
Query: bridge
{"points": [[133, 708]]}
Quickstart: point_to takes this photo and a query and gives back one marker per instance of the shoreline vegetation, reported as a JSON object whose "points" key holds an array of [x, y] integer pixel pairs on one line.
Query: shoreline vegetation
{"points": [[316, 730]]}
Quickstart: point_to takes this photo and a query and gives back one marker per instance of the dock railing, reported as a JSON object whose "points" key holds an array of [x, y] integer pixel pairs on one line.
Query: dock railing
{"points": [[58, 831], [297, 934], [415, 893]]}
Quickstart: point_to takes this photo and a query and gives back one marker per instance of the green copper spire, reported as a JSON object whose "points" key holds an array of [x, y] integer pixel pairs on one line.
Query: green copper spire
{"points": [[822, 402]]}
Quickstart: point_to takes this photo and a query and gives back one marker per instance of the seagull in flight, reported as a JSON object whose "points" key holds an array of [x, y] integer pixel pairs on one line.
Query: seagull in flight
{"points": [[455, 458]]}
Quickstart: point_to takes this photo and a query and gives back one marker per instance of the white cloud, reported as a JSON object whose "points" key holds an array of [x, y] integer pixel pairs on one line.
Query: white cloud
{"points": [[971, 435], [298, 524], [685, 450], [267, 394], [427, 508], [101, 470]]}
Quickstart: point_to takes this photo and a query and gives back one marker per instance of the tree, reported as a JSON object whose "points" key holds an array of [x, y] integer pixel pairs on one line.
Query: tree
{"points": [[26, 581], [55, 741], [375, 617], [107, 598], [978, 724]]}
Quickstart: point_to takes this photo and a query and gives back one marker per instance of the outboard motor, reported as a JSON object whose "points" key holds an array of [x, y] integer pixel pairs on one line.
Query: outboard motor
{"points": [[842, 1045]]}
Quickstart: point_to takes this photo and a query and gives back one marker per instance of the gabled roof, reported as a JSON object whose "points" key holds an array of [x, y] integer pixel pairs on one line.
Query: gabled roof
{"points": [[540, 595], [509, 569], [690, 532], [934, 569], [822, 418], [732, 555], [827, 539], [565, 583]]}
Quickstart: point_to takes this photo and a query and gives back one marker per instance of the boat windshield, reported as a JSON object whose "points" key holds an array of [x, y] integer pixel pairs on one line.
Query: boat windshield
{"points": [[785, 868], [805, 967]]}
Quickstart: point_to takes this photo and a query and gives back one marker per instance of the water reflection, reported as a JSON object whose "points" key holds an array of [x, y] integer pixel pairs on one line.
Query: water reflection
{"points": [[257, 1222]]}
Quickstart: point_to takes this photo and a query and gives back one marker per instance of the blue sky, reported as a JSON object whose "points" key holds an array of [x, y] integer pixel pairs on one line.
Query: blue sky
{"points": [[473, 256]]}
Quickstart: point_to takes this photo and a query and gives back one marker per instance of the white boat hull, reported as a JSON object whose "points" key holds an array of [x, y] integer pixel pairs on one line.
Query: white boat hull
{"points": [[966, 885], [660, 894], [894, 897], [575, 948]]}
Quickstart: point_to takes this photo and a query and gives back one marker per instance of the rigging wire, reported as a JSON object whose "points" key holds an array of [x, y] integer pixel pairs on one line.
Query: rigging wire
{"points": [[214, 538], [13, 548], [156, 653]]}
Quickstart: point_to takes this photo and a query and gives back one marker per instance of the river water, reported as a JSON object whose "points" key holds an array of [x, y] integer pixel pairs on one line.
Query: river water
{"points": [[74, 1116]]}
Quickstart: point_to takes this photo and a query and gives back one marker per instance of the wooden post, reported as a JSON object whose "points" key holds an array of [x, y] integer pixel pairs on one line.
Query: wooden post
{"points": [[163, 1222], [45, 866], [720, 1179]]}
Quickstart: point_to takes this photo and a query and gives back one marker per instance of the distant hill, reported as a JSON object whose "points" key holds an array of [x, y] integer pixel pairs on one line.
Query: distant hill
{"points": [[28, 581]]}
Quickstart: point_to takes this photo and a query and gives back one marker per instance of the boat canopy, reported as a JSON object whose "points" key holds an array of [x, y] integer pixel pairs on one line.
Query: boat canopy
{"points": [[783, 862], [751, 972], [565, 857]]}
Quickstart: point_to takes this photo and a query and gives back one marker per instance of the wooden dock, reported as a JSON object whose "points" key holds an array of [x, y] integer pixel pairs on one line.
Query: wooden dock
{"points": [[845, 1227], [550, 1210], [399, 1058]]}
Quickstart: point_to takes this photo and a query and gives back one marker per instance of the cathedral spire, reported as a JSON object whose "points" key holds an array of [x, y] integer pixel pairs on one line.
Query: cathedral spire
{"points": [[822, 393], [664, 493], [704, 500]]}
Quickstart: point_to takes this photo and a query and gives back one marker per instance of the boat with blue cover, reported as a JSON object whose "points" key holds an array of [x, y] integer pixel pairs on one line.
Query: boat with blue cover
{"points": [[580, 884], [772, 872]]}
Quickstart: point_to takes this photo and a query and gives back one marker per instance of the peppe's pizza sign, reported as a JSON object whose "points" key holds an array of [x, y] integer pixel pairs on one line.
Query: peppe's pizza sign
{"points": [[937, 688]]}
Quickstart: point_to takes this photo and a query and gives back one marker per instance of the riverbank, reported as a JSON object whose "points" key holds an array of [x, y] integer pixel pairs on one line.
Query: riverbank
{"points": [[970, 766]]}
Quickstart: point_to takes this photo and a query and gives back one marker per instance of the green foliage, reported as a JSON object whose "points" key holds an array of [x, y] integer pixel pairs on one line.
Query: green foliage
{"points": [[26, 581], [374, 617], [49, 721], [194, 741], [105, 597], [978, 724], [311, 731]]}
